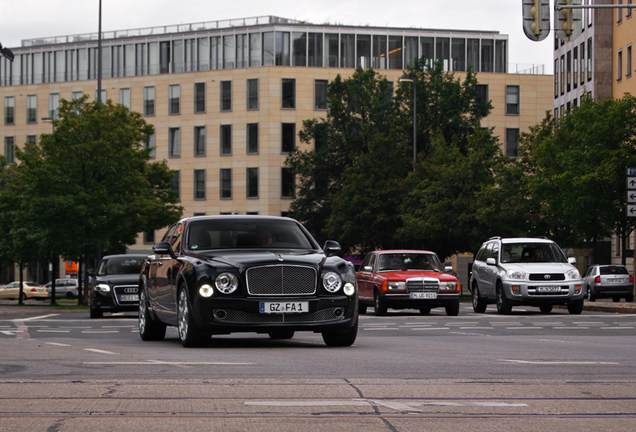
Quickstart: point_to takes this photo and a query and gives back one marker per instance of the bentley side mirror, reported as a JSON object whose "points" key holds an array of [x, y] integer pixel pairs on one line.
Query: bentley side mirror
{"points": [[331, 247], [164, 248]]}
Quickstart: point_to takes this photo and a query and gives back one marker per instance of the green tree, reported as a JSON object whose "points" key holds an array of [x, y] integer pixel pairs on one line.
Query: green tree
{"points": [[88, 186], [575, 171]]}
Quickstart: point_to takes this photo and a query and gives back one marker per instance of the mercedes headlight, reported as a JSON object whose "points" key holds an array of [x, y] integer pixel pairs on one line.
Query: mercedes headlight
{"points": [[448, 286], [395, 286]]}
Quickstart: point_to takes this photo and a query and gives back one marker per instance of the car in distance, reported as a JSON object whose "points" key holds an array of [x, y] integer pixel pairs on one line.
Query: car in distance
{"points": [[30, 290], [401, 279], [264, 274], [525, 271], [64, 288], [609, 281], [114, 288]]}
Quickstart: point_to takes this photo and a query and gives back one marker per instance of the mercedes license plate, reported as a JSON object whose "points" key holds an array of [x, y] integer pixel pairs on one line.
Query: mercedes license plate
{"points": [[284, 307], [129, 298], [423, 295]]}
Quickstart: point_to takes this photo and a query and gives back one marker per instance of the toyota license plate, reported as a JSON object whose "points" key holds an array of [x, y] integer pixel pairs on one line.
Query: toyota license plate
{"points": [[548, 289], [129, 298], [284, 307], [423, 295]]}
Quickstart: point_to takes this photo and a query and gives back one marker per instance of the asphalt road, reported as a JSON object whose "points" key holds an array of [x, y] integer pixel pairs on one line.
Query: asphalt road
{"points": [[406, 372]]}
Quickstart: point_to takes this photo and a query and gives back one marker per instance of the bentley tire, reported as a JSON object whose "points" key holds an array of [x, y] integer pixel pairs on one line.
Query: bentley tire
{"points": [[188, 334]]}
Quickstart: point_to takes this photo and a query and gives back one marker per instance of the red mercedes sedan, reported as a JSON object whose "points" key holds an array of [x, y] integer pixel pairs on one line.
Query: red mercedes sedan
{"points": [[406, 279]]}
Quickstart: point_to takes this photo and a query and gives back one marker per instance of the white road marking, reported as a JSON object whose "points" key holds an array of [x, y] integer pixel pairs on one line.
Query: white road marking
{"points": [[100, 351], [168, 363], [394, 405], [57, 344], [100, 331], [54, 331], [431, 328], [9, 333], [558, 362]]}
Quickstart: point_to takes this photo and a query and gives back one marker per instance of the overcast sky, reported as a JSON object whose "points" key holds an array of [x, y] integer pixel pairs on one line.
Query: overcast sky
{"points": [[30, 19]]}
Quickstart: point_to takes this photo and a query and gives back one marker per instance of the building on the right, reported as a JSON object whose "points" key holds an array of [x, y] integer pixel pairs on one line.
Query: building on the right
{"points": [[584, 65]]}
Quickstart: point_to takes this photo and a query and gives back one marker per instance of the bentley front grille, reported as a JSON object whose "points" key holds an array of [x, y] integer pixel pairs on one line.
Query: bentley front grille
{"points": [[281, 280]]}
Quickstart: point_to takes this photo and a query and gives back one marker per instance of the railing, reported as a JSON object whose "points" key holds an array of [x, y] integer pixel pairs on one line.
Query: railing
{"points": [[527, 69], [159, 30]]}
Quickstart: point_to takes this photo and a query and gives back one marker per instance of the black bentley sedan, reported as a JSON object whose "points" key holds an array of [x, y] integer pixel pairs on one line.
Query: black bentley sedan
{"points": [[264, 274]]}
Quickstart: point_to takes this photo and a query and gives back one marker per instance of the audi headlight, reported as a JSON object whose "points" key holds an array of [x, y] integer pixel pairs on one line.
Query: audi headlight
{"points": [[102, 288], [395, 286], [226, 283], [516, 274], [448, 286], [573, 274], [206, 290], [332, 282]]}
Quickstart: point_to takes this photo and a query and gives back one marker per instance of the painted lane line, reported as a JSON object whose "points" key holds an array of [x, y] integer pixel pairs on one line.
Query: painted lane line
{"points": [[57, 344], [8, 333], [167, 363], [36, 318], [308, 403], [554, 362], [380, 328], [99, 331], [98, 351], [432, 328], [54, 331]]}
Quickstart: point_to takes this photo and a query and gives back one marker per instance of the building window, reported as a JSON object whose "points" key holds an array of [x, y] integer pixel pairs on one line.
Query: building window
{"points": [[582, 51], [512, 100], [174, 142], [124, 97], [226, 140], [562, 68], [252, 183], [149, 101], [226, 95], [481, 94], [149, 237], [589, 59], [628, 14], [556, 78], [176, 183], [32, 109], [199, 140], [31, 139], [619, 13], [568, 65], [252, 138], [320, 94], [199, 184], [288, 183], [575, 66], [289, 93], [77, 95], [512, 142], [199, 97], [54, 106], [226, 183], [252, 94], [9, 150], [628, 61], [150, 144], [288, 137], [174, 99], [619, 65]]}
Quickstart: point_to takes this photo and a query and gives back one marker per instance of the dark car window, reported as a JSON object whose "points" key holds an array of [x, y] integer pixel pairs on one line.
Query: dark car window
{"points": [[120, 266], [409, 261], [610, 270], [243, 233]]}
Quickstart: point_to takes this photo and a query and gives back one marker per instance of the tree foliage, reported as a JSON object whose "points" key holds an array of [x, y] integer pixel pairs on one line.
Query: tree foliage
{"points": [[88, 186]]}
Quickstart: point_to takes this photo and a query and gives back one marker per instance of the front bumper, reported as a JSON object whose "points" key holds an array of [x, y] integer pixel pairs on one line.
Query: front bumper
{"points": [[404, 301], [230, 315], [539, 293], [106, 302]]}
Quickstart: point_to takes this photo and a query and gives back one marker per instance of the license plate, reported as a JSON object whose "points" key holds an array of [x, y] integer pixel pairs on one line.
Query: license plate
{"points": [[129, 298], [544, 289], [615, 280], [423, 295], [284, 307]]}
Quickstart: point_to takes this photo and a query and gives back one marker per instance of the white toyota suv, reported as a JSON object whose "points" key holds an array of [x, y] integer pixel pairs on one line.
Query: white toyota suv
{"points": [[525, 271]]}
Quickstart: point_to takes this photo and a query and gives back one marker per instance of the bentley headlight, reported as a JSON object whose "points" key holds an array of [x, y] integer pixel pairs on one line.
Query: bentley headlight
{"points": [[102, 288], [516, 274], [573, 274], [349, 289], [206, 290], [226, 283], [332, 282]]}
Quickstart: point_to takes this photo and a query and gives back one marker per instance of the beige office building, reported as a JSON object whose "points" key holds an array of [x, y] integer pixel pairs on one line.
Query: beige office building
{"points": [[228, 98]]}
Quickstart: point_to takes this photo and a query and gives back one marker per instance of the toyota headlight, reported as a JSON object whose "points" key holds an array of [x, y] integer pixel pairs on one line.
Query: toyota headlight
{"points": [[332, 282], [516, 274], [573, 274]]}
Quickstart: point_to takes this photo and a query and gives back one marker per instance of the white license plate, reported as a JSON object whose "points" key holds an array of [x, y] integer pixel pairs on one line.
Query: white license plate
{"points": [[129, 298], [615, 280], [284, 307], [423, 295], [548, 289]]}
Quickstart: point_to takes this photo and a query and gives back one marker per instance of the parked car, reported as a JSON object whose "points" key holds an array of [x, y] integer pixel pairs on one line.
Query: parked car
{"points": [[525, 271], [609, 281], [64, 288], [263, 274], [30, 290], [406, 279], [115, 286]]}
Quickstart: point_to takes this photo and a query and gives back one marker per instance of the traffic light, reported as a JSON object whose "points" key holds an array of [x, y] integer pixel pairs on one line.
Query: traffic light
{"points": [[536, 19], [567, 22]]}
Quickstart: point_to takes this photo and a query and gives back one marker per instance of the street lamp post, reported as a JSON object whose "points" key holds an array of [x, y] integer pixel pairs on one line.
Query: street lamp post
{"points": [[414, 81]]}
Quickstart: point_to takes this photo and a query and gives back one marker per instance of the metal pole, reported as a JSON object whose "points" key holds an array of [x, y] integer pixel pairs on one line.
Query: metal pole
{"points": [[414, 124], [99, 56]]}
